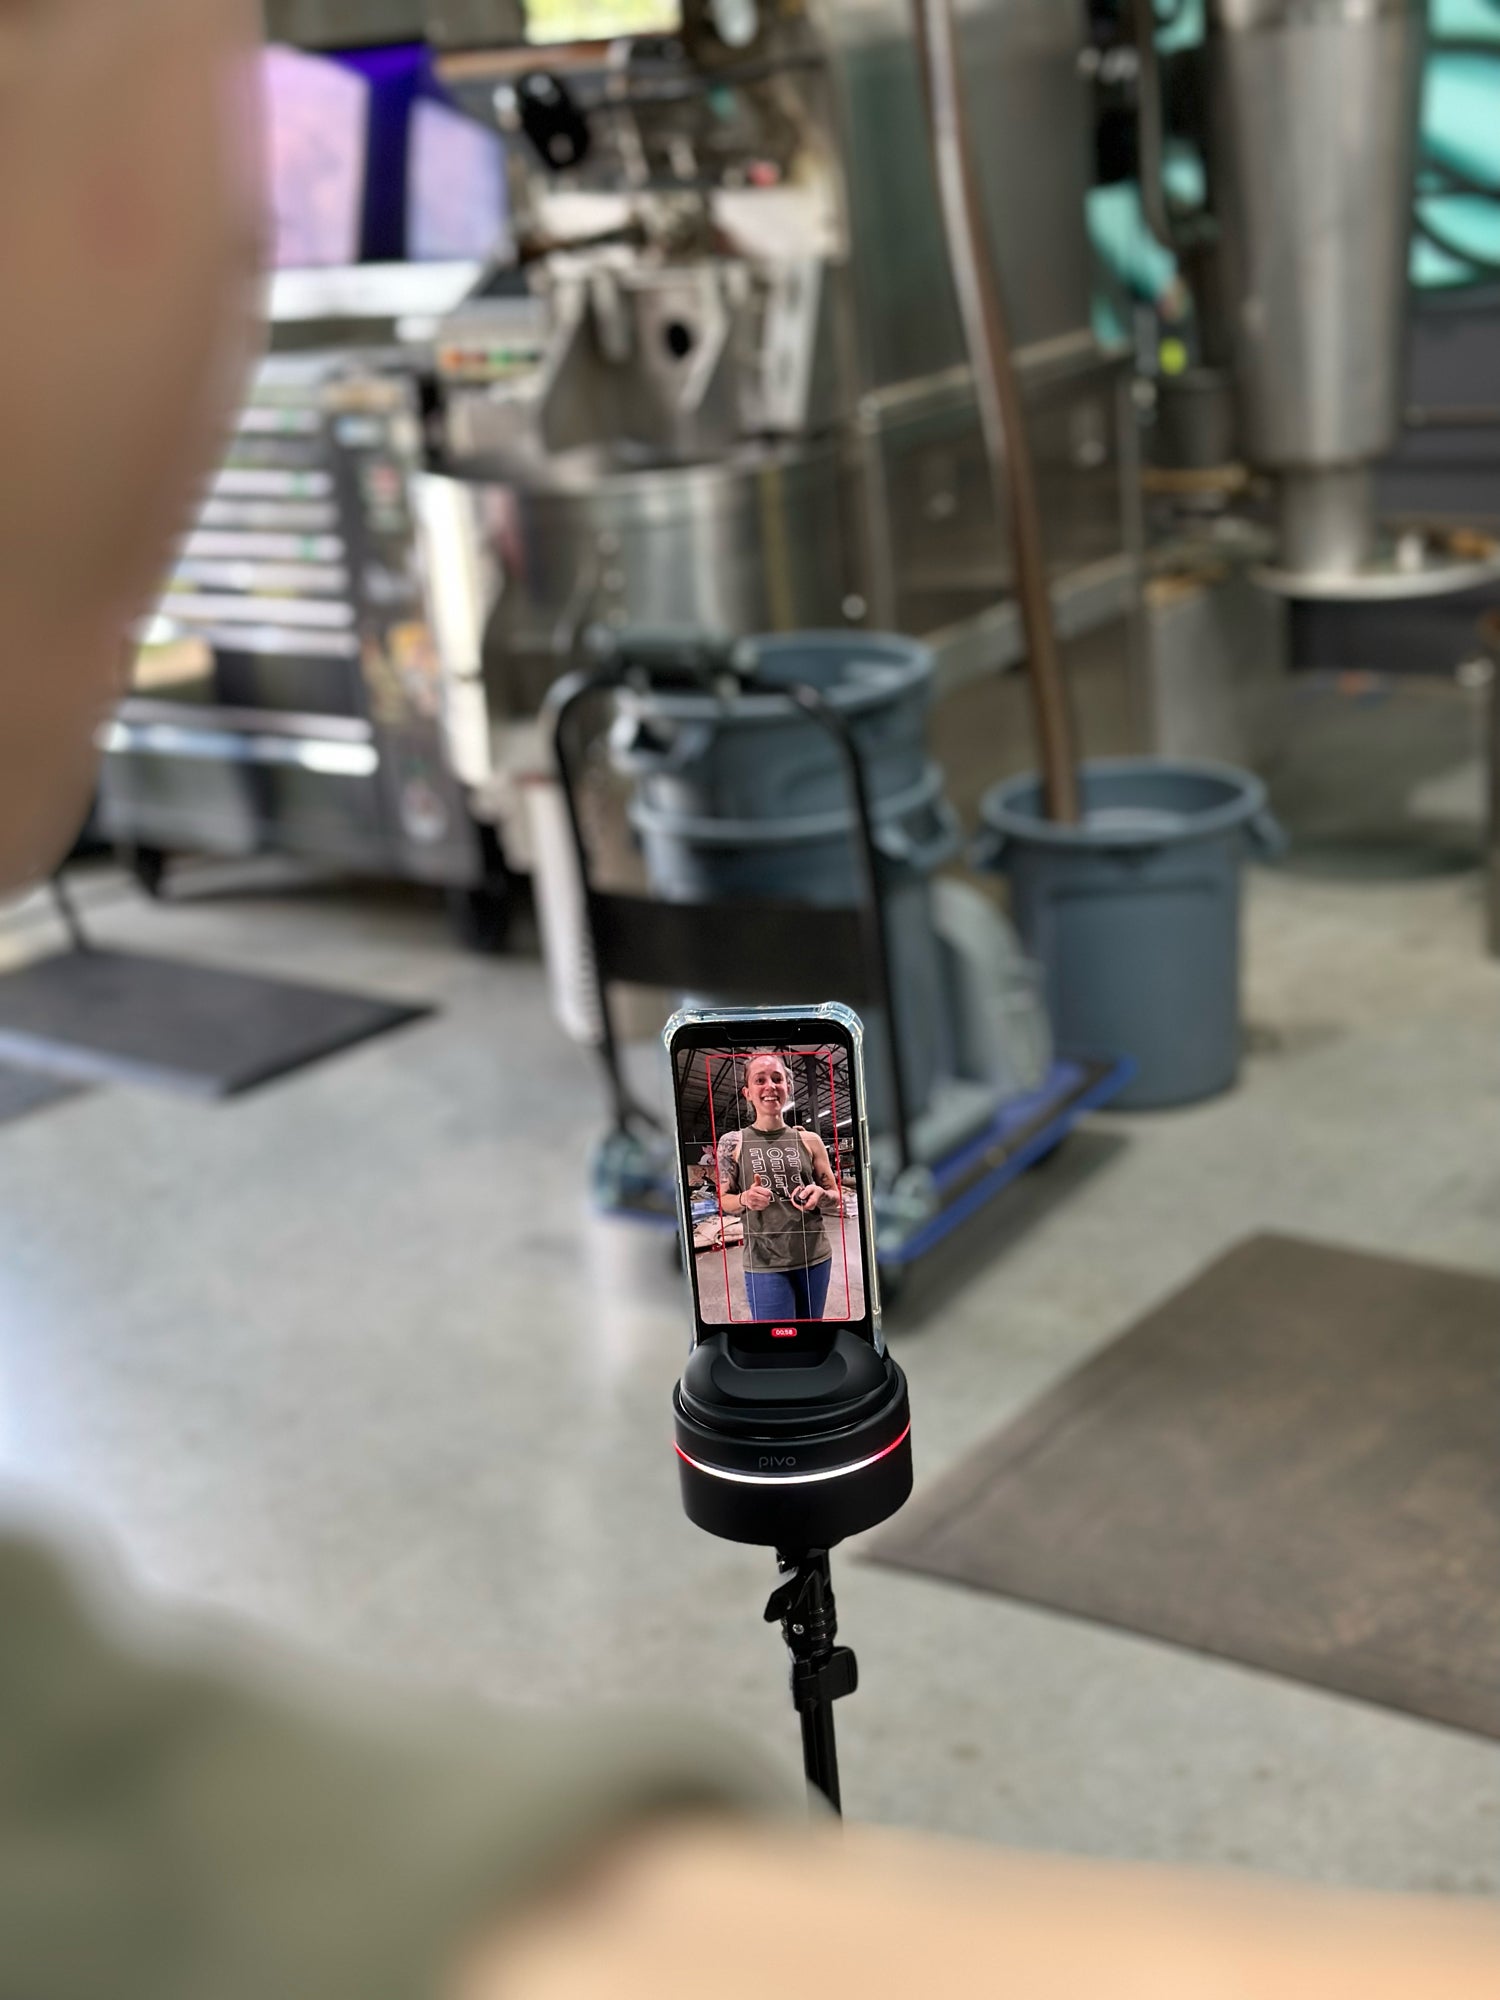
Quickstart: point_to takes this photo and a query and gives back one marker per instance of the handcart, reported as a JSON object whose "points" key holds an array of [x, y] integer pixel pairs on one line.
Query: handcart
{"points": [[839, 953]]}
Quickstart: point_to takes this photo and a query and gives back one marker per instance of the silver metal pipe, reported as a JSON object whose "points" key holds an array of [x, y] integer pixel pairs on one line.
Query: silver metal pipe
{"points": [[1314, 134], [1313, 138], [1327, 519]]}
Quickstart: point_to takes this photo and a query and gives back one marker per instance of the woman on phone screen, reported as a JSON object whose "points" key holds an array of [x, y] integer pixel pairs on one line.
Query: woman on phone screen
{"points": [[778, 1179]]}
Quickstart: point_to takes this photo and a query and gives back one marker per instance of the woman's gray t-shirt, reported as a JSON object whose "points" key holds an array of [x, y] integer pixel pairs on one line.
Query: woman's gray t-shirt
{"points": [[781, 1237]]}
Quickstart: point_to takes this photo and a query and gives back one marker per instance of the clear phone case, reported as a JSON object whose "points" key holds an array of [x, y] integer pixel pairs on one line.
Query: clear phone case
{"points": [[781, 1018]]}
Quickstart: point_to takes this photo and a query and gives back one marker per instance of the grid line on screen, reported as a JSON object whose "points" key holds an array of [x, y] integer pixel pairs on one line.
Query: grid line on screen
{"points": [[734, 1058], [833, 1113], [713, 1126]]}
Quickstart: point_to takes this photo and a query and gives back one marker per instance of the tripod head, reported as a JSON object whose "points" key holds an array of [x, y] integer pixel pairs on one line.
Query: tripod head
{"points": [[794, 1455]]}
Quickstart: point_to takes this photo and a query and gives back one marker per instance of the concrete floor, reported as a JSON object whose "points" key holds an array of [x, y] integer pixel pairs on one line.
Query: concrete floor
{"points": [[354, 1357]]}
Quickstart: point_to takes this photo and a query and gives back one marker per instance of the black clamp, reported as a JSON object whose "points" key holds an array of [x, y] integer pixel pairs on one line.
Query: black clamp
{"points": [[817, 1681], [803, 1606]]}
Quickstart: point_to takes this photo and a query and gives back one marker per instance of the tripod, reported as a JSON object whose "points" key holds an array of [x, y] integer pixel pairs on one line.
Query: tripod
{"points": [[821, 1670]]}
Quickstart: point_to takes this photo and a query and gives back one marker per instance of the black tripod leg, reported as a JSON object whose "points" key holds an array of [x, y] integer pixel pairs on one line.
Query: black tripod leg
{"points": [[822, 1671], [67, 909], [820, 1751]]}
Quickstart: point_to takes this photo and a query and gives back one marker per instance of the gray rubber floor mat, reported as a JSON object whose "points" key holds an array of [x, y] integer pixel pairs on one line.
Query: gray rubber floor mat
{"points": [[122, 1017], [1293, 1463]]}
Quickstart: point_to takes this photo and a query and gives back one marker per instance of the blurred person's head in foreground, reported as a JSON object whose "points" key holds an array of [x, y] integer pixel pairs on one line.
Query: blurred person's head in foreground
{"points": [[129, 226]]}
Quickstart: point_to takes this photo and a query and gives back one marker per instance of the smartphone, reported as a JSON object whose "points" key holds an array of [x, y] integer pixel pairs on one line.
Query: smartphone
{"points": [[773, 1171]]}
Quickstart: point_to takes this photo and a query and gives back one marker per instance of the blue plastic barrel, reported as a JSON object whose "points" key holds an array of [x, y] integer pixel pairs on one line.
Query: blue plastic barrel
{"points": [[1134, 914], [743, 794]]}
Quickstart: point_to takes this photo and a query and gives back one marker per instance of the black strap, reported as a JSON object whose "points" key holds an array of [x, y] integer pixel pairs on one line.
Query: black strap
{"points": [[762, 950]]}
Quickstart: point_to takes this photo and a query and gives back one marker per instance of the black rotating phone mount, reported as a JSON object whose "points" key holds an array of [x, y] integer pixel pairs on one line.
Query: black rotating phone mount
{"points": [[794, 1456]]}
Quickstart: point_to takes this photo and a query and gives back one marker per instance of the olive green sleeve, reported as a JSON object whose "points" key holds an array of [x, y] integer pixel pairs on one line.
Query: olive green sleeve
{"points": [[181, 1829]]}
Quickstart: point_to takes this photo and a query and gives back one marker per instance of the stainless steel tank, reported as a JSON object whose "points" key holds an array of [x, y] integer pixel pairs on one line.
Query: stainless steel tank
{"points": [[1313, 143], [751, 544]]}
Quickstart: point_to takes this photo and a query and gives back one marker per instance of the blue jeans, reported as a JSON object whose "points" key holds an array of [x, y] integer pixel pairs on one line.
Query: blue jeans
{"points": [[789, 1295]]}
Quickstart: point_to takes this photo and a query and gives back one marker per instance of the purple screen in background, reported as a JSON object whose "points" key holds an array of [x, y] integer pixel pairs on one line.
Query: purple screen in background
{"points": [[456, 196], [317, 127]]}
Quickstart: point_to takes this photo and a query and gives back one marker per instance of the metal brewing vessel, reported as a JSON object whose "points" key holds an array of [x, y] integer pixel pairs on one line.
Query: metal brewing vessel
{"points": [[1313, 148]]}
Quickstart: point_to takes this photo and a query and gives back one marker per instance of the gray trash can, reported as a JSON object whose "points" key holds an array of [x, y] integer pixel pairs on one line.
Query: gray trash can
{"points": [[1134, 914], [747, 796]]}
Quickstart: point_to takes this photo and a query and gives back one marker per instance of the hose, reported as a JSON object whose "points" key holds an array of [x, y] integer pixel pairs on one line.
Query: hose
{"points": [[1184, 232], [997, 391], [1483, 267], [1151, 127], [1458, 182], [1483, 46]]}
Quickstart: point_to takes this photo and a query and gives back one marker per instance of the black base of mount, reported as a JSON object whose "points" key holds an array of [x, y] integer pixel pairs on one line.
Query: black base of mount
{"points": [[835, 1440]]}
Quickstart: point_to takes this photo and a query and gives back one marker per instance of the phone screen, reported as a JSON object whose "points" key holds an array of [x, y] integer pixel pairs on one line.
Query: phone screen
{"points": [[770, 1139]]}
